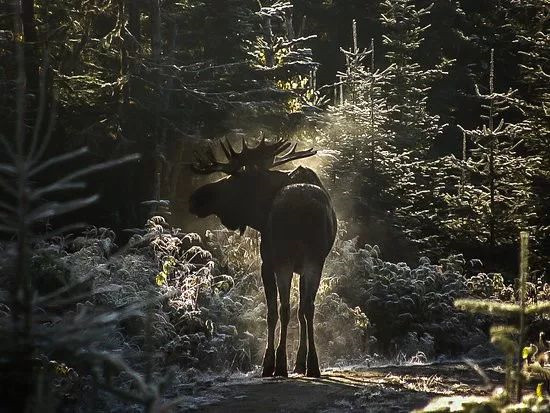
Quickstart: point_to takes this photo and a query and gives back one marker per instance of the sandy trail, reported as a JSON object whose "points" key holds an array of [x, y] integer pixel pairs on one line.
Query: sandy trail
{"points": [[379, 389]]}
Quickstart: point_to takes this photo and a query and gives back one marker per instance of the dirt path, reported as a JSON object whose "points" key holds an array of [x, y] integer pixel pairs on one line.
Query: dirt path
{"points": [[380, 389]]}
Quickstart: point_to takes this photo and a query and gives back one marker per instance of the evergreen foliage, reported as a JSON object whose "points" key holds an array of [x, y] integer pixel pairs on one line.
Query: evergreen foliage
{"points": [[510, 338], [494, 194], [155, 78], [407, 83], [433, 129], [406, 303], [353, 127], [40, 337], [532, 27]]}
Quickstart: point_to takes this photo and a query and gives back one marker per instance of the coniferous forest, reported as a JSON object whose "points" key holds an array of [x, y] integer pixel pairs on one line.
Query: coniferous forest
{"points": [[167, 166]]}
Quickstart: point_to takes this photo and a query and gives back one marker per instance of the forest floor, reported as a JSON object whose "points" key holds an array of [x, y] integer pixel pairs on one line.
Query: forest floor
{"points": [[390, 388]]}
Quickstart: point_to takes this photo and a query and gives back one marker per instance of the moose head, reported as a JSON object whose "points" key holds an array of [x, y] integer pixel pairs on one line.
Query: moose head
{"points": [[243, 197]]}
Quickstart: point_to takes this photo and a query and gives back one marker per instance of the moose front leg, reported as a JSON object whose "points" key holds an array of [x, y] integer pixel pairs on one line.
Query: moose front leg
{"points": [[284, 279], [270, 287]]}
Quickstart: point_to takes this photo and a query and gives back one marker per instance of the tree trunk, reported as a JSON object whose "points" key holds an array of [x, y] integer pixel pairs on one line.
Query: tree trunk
{"points": [[30, 35], [171, 163], [492, 175], [134, 16], [156, 50], [268, 38], [134, 26]]}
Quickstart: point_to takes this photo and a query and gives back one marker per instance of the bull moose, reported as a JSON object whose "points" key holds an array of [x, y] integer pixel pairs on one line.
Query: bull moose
{"points": [[294, 215]]}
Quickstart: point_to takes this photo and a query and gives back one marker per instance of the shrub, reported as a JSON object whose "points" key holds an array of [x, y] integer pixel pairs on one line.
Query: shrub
{"points": [[406, 305]]}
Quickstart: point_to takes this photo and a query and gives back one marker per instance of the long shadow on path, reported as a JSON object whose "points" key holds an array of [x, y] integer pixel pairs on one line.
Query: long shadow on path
{"points": [[382, 389]]}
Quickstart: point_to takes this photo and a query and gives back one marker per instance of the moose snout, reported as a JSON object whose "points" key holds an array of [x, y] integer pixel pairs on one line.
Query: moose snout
{"points": [[201, 201]]}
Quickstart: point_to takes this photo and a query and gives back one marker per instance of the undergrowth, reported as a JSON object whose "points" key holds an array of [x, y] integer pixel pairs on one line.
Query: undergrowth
{"points": [[524, 363], [207, 307], [410, 310]]}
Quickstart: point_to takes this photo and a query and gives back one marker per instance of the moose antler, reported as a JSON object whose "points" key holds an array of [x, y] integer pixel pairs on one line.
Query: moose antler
{"points": [[292, 155], [263, 156], [208, 163]]}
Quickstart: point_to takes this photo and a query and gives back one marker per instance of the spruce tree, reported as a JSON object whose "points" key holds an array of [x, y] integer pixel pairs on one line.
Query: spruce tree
{"points": [[495, 199], [412, 125], [533, 36], [354, 126], [408, 83], [511, 337], [284, 57]]}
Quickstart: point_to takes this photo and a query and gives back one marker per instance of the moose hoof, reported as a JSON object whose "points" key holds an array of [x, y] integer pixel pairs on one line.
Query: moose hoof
{"points": [[281, 372], [267, 372], [300, 369], [268, 364], [313, 373]]}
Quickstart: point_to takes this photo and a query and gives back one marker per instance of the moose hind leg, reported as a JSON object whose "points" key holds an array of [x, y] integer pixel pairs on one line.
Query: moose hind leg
{"points": [[301, 355], [270, 288], [312, 278], [284, 279]]}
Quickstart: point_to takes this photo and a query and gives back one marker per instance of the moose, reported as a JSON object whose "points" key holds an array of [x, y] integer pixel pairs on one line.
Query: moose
{"points": [[297, 223]]}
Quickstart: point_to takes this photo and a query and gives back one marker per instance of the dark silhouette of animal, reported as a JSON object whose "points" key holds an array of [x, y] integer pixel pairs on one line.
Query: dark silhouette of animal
{"points": [[294, 215]]}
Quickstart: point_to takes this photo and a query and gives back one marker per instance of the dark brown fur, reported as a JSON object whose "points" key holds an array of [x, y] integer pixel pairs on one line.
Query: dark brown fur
{"points": [[294, 214]]}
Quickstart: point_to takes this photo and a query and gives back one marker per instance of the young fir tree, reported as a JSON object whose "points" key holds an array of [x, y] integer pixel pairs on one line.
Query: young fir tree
{"points": [[521, 360], [353, 126], [280, 53], [494, 197], [360, 108], [532, 27], [408, 83], [413, 127]]}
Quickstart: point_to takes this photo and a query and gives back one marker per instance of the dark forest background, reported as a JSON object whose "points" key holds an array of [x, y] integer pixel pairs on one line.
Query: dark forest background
{"points": [[396, 102]]}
